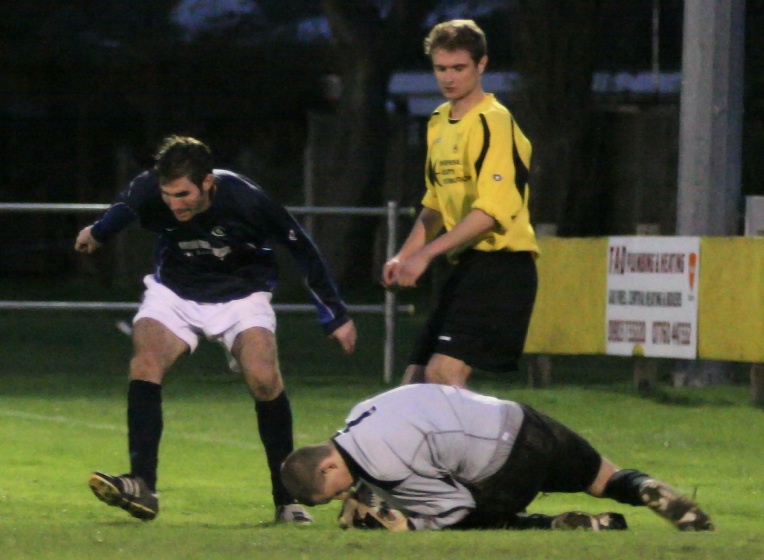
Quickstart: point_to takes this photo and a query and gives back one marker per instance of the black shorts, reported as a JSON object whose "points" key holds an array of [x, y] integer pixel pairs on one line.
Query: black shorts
{"points": [[546, 457], [483, 311]]}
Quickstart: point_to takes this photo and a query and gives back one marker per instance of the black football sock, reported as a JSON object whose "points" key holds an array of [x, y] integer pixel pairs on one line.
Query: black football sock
{"points": [[623, 487], [274, 422], [144, 429], [524, 521]]}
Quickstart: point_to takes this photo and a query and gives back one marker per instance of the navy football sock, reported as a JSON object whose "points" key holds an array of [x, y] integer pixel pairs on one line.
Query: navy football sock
{"points": [[144, 427], [623, 487], [274, 422]]}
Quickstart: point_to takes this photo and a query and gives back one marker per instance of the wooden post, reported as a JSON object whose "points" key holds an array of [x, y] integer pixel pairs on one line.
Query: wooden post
{"points": [[757, 384], [645, 374], [539, 371]]}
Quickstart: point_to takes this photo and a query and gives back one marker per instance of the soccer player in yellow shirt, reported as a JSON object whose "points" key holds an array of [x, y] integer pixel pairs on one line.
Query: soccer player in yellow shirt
{"points": [[476, 175]]}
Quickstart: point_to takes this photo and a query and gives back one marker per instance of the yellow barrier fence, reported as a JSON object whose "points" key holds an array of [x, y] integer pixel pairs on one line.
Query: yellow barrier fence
{"points": [[569, 317]]}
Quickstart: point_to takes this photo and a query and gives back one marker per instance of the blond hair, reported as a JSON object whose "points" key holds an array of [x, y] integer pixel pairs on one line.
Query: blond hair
{"points": [[457, 34]]}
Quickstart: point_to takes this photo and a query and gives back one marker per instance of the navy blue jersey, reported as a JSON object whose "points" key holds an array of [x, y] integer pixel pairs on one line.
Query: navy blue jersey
{"points": [[224, 253]]}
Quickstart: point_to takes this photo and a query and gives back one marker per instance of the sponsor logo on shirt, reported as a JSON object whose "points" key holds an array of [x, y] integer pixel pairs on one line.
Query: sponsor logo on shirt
{"points": [[199, 247], [450, 171]]}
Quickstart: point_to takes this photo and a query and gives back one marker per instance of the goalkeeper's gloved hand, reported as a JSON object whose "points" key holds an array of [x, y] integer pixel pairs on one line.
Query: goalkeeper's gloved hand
{"points": [[364, 510]]}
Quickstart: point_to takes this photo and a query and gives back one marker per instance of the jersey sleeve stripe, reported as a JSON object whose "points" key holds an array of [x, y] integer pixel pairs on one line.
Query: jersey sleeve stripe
{"points": [[521, 171], [432, 176], [486, 145]]}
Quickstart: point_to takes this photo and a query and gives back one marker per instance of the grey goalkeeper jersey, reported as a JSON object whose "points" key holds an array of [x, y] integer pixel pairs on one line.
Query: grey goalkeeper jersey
{"points": [[419, 446]]}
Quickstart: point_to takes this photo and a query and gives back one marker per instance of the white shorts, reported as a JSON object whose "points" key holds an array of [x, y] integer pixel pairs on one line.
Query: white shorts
{"points": [[219, 322]]}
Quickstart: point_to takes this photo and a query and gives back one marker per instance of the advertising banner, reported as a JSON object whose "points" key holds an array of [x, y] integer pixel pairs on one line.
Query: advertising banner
{"points": [[652, 296]]}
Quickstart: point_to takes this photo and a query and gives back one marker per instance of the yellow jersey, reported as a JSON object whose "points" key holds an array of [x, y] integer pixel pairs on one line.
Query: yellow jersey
{"points": [[481, 161]]}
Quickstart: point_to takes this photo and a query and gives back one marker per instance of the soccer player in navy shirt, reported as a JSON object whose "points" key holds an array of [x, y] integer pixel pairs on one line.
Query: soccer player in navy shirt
{"points": [[214, 274]]}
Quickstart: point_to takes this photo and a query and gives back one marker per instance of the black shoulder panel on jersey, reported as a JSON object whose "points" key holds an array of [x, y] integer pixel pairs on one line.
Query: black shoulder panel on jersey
{"points": [[486, 145], [431, 174], [521, 171]]}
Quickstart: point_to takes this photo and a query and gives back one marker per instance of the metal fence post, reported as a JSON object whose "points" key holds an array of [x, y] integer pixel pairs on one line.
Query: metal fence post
{"points": [[390, 298]]}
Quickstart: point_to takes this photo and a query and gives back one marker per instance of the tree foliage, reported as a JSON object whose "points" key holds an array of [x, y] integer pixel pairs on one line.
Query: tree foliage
{"points": [[82, 79]]}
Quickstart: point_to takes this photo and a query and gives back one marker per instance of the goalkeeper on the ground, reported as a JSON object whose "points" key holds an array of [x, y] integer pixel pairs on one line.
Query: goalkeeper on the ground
{"points": [[442, 456]]}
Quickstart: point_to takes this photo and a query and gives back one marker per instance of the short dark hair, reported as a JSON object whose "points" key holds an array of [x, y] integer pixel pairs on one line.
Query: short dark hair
{"points": [[183, 156], [301, 474], [457, 34]]}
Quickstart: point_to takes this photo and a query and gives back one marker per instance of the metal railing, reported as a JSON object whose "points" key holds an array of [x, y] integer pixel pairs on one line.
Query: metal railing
{"points": [[390, 309]]}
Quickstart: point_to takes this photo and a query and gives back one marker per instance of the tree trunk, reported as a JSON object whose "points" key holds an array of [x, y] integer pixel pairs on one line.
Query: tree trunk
{"points": [[366, 48], [556, 50]]}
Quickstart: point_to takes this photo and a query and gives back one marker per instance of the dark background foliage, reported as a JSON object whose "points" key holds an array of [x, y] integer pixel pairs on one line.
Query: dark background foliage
{"points": [[87, 89]]}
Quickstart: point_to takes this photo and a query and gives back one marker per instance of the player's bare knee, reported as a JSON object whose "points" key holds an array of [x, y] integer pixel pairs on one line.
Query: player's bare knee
{"points": [[261, 393], [144, 367], [445, 370], [264, 389], [435, 376], [441, 377]]}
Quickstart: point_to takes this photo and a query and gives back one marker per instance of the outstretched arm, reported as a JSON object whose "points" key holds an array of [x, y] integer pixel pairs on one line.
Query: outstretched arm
{"points": [[119, 215], [324, 293]]}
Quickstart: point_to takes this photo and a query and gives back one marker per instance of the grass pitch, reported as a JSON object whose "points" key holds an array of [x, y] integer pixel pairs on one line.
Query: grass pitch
{"points": [[62, 410]]}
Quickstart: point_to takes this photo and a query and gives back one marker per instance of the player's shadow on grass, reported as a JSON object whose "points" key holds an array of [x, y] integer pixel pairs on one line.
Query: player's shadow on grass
{"points": [[671, 396], [661, 395]]}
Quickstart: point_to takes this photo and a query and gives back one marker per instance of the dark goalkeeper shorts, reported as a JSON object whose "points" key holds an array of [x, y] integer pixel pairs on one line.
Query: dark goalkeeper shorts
{"points": [[546, 457], [483, 311]]}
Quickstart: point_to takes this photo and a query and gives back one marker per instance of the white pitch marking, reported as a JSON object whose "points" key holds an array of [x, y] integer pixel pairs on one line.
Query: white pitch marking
{"points": [[205, 438]]}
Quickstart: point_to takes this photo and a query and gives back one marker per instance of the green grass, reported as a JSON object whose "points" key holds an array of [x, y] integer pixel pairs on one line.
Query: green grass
{"points": [[62, 383]]}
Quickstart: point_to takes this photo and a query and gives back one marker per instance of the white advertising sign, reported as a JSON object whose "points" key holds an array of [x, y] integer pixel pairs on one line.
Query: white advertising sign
{"points": [[652, 296]]}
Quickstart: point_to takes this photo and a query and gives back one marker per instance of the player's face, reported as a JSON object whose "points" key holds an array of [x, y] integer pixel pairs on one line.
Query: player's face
{"points": [[337, 483], [185, 199], [457, 74]]}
